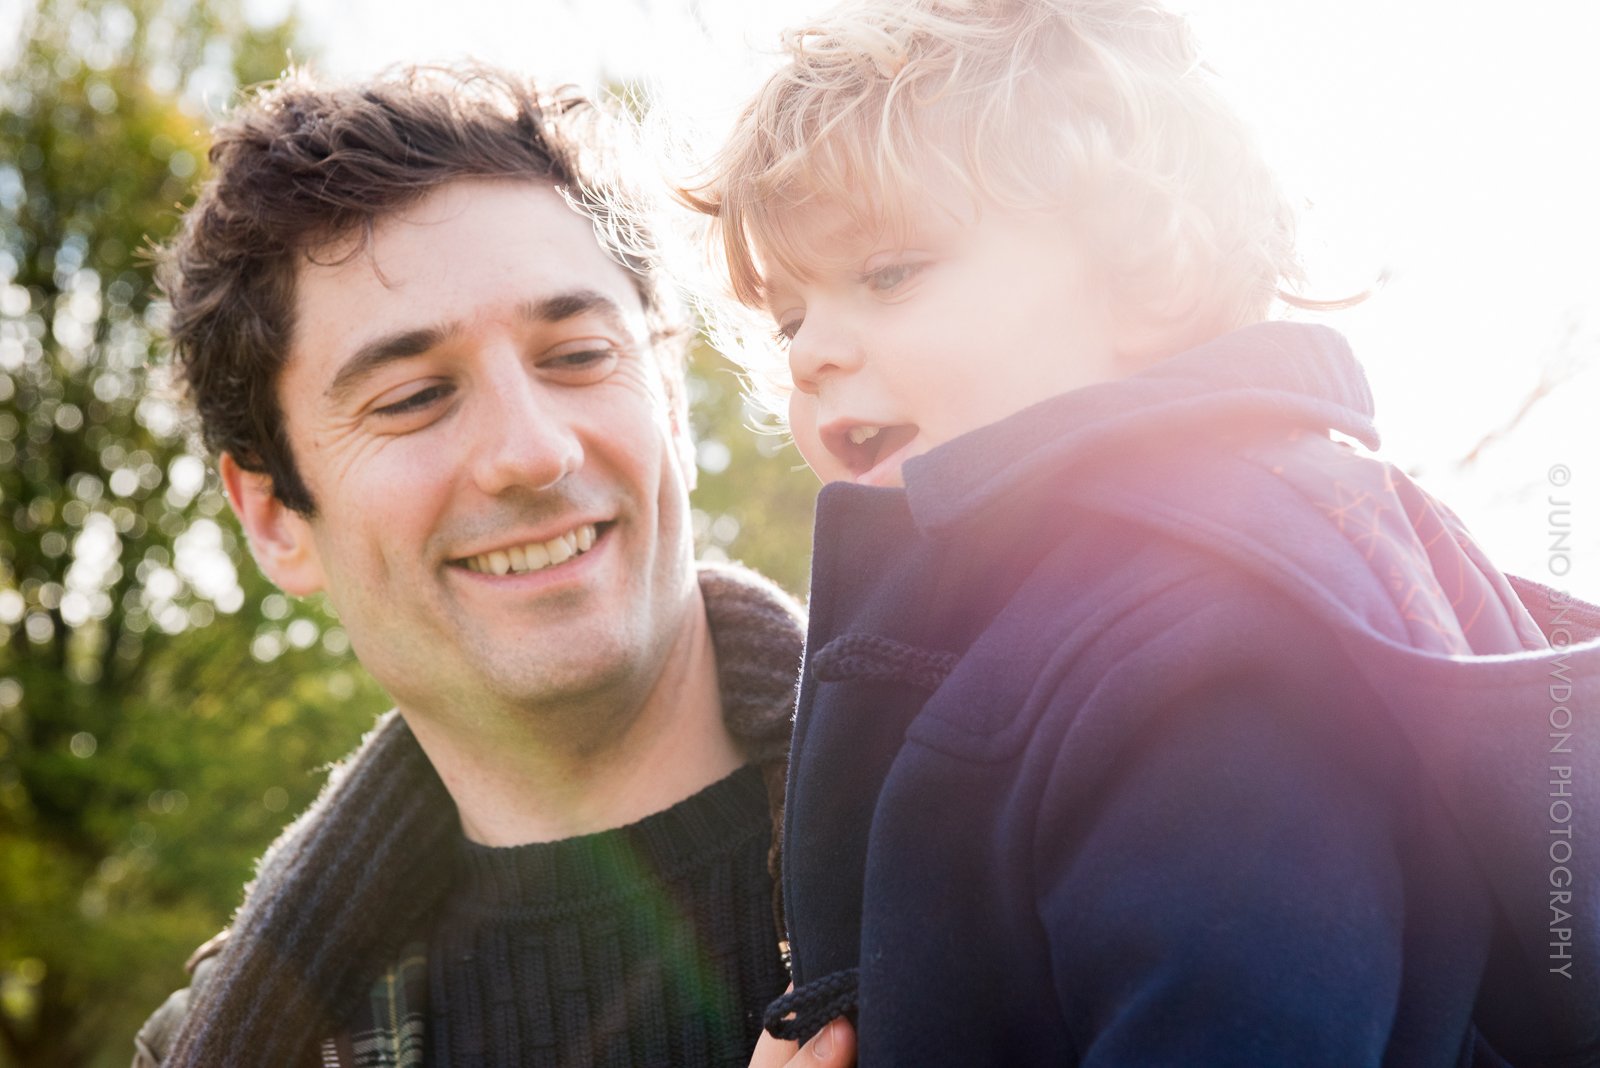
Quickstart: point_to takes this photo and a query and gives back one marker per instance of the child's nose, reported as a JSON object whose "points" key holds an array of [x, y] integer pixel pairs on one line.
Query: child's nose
{"points": [[820, 350]]}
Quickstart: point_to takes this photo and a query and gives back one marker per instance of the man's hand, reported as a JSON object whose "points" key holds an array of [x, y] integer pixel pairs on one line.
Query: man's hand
{"points": [[832, 1047]]}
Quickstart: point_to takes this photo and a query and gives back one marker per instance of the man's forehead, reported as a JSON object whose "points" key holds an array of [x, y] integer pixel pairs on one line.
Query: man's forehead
{"points": [[492, 210], [468, 248]]}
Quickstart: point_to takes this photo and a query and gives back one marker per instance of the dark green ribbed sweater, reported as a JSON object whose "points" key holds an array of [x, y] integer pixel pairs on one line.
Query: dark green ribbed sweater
{"points": [[651, 944]]}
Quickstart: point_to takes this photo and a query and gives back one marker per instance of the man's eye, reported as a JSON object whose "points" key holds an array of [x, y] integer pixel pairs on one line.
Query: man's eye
{"points": [[582, 364], [582, 359], [890, 277], [415, 401]]}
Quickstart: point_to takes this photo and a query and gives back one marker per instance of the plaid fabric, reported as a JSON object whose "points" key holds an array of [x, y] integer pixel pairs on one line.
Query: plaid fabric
{"points": [[391, 1035]]}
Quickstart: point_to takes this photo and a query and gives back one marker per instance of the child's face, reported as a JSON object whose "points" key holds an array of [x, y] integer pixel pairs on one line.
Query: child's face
{"points": [[898, 346]]}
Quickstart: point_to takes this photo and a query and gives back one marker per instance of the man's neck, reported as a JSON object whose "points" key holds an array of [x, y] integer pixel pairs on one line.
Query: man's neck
{"points": [[531, 778]]}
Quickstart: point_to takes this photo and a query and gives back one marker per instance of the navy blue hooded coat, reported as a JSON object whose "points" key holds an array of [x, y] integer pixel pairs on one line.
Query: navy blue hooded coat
{"points": [[1156, 726]]}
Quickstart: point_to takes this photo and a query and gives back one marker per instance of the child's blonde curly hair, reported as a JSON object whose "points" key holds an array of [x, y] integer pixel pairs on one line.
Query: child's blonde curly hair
{"points": [[1099, 108]]}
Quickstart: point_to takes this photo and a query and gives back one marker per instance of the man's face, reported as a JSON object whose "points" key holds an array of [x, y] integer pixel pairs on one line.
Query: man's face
{"points": [[501, 499], [899, 345]]}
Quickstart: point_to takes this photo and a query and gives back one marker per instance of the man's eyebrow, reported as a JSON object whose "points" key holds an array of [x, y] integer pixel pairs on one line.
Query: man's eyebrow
{"points": [[385, 350], [552, 309], [570, 305]]}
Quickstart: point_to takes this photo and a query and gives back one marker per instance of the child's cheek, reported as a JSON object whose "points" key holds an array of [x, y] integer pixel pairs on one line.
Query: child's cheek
{"points": [[803, 427]]}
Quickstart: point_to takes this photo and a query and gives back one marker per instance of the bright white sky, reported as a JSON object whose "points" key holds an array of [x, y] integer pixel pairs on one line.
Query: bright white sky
{"points": [[1450, 142]]}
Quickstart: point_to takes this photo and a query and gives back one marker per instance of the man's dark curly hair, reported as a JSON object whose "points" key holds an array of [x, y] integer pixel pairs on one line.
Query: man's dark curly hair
{"points": [[298, 166]]}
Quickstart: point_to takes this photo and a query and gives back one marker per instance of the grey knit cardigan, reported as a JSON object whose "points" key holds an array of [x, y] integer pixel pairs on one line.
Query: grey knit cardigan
{"points": [[360, 869]]}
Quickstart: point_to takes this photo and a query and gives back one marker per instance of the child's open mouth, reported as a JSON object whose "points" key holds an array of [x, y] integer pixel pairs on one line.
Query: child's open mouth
{"points": [[864, 448]]}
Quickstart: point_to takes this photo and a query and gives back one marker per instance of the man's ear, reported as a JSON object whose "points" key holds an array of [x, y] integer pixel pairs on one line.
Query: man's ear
{"points": [[280, 538]]}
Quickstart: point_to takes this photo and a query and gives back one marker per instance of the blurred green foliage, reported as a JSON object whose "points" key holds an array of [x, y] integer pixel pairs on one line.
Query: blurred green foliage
{"points": [[163, 711], [756, 497]]}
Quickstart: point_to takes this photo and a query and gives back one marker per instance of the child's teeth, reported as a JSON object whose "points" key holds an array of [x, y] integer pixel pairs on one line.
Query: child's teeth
{"points": [[859, 434]]}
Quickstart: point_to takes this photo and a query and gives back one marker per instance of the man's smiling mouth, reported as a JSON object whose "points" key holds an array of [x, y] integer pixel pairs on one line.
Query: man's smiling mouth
{"points": [[535, 555]]}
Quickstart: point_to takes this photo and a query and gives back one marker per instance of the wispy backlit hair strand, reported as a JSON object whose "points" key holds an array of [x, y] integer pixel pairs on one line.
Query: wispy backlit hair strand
{"points": [[1100, 109]]}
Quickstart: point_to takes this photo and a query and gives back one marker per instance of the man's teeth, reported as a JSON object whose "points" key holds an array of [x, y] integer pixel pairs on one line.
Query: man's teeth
{"points": [[536, 555], [860, 434]]}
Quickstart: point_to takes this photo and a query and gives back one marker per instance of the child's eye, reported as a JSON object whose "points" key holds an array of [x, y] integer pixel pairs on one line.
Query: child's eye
{"points": [[892, 276], [414, 402], [786, 331]]}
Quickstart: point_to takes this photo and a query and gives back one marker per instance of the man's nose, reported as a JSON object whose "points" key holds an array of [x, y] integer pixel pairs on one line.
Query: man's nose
{"points": [[523, 435], [825, 346]]}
